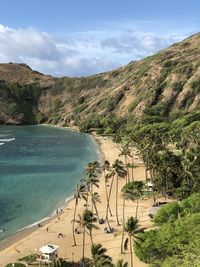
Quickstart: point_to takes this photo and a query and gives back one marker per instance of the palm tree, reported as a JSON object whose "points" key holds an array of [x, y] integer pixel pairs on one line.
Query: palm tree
{"points": [[90, 221], [96, 199], [108, 176], [92, 179], [127, 194], [80, 192], [99, 258], [126, 152], [131, 191], [188, 163], [93, 168], [120, 172], [132, 166], [132, 229], [86, 222], [116, 171], [106, 167], [132, 145], [121, 263], [132, 159]]}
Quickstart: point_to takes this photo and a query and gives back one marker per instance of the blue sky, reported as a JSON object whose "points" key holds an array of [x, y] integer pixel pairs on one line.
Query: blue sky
{"points": [[83, 37]]}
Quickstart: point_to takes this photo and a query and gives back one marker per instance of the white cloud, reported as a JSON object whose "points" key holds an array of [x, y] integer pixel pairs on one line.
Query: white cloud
{"points": [[82, 53]]}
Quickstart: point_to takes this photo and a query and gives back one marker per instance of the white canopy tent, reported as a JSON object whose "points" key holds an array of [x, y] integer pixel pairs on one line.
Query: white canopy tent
{"points": [[49, 249]]}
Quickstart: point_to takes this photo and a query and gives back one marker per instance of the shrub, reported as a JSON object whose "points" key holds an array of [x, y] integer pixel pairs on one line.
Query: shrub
{"points": [[173, 241], [147, 252], [168, 213], [29, 258], [191, 204]]}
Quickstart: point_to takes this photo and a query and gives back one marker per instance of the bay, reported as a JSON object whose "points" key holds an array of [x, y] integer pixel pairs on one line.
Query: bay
{"points": [[39, 168]]}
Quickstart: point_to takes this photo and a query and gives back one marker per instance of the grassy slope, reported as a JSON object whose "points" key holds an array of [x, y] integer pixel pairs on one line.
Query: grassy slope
{"points": [[168, 81]]}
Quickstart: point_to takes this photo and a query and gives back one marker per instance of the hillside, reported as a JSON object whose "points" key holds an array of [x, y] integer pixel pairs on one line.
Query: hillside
{"points": [[167, 82]]}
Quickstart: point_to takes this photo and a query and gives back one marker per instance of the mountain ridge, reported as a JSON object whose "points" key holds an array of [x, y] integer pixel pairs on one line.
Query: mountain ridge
{"points": [[165, 83]]}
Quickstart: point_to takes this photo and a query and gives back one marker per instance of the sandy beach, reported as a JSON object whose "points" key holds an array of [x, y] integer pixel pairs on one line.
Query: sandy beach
{"points": [[29, 242]]}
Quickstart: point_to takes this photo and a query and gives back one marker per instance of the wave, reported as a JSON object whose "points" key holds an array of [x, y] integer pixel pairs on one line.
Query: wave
{"points": [[34, 224], [7, 140], [68, 199], [54, 213], [1, 144]]}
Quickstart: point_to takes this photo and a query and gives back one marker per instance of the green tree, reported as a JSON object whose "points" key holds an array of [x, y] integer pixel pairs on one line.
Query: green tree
{"points": [[99, 257], [116, 171], [119, 172], [96, 199], [126, 152], [86, 223], [92, 179], [132, 230], [167, 213], [80, 192], [121, 263], [131, 191]]}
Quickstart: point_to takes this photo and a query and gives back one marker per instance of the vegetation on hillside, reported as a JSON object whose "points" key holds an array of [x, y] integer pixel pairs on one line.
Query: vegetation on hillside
{"points": [[177, 241], [20, 102], [166, 84]]}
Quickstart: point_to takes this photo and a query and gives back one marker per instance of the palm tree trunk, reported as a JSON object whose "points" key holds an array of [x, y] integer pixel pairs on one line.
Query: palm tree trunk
{"points": [[107, 199], [91, 237], [131, 251], [117, 217], [132, 178], [123, 231], [91, 197], [73, 230], [136, 211], [83, 248], [111, 185], [154, 197], [87, 200], [146, 172], [151, 179], [127, 169], [95, 207]]}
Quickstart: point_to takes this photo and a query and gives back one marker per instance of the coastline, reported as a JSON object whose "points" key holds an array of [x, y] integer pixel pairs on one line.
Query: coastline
{"points": [[29, 229], [32, 239]]}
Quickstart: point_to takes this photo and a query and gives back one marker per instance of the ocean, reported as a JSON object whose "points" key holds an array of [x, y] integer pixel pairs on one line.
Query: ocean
{"points": [[39, 168]]}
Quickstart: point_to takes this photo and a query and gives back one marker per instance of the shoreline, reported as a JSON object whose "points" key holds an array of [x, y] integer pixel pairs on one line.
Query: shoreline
{"points": [[29, 229], [40, 236]]}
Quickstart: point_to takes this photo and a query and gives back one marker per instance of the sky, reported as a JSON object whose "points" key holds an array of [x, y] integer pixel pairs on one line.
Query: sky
{"points": [[84, 37]]}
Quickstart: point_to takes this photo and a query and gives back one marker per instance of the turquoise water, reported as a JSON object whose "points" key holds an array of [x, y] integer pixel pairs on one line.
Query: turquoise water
{"points": [[39, 168]]}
